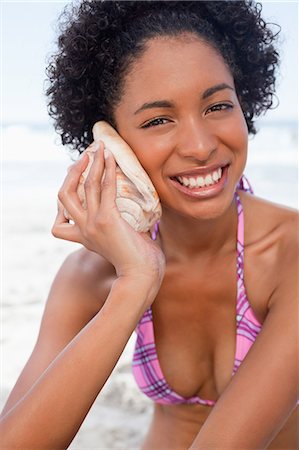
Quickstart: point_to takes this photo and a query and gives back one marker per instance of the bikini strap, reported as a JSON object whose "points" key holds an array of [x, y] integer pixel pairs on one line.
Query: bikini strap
{"points": [[243, 185], [240, 238], [154, 232]]}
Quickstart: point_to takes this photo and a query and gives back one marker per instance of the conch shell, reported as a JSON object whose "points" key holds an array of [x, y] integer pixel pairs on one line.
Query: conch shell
{"points": [[136, 197]]}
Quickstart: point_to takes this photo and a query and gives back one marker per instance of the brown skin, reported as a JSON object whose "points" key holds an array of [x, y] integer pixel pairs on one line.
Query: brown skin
{"points": [[190, 136], [198, 238], [209, 375]]}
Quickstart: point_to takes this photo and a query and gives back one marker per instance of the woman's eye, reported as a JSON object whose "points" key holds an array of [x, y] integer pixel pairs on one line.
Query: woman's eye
{"points": [[220, 107], [154, 122]]}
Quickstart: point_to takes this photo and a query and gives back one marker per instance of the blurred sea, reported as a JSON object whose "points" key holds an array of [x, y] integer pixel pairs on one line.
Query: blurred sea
{"points": [[33, 161]]}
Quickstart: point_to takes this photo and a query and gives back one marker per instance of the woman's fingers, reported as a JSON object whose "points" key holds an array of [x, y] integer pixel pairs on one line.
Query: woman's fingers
{"points": [[100, 195], [108, 186], [68, 192], [92, 185], [62, 228]]}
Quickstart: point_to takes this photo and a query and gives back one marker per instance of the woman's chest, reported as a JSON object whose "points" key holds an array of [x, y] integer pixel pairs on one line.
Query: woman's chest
{"points": [[194, 321]]}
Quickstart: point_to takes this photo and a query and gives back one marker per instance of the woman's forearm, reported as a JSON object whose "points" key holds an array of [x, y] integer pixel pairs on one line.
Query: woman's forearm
{"points": [[50, 414]]}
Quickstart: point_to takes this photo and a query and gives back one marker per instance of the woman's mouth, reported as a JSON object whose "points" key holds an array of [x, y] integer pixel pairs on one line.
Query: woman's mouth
{"points": [[204, 185]]}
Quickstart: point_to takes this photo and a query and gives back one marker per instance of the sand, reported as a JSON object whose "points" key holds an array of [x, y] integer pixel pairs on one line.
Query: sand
{"points": [[31, 256]]}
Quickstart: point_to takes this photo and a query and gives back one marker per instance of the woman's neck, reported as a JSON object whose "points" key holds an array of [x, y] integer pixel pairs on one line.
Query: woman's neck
{"points": [[182, 238]]}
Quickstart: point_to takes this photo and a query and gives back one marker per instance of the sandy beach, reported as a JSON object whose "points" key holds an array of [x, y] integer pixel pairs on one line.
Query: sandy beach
{"points": [[120, 416], [31, 257]]}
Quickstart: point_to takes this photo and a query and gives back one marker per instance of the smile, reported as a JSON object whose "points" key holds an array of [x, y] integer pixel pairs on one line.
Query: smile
{"points": [[196, 182], [203, 185]]}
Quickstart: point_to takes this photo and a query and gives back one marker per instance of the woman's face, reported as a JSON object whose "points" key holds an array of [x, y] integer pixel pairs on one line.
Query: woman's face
{"points": [[181, 116]]}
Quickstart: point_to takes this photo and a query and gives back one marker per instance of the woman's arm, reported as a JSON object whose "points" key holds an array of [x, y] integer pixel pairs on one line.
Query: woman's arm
{"points": [[49, 415], [264, 391], [78, 292]]}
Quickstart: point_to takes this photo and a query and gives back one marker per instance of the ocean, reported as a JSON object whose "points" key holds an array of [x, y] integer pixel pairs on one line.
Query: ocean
{"points": [[34, 162]]}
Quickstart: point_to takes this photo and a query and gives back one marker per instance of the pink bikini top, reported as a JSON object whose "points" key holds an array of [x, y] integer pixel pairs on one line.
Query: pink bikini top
{"points": [[146, 367]]}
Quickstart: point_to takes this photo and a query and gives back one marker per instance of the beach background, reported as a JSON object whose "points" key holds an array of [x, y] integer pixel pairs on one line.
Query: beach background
{"points": [[33, 167]]}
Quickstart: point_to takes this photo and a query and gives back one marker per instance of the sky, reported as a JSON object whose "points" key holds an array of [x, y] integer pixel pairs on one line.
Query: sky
{"points": [[28, 37]]}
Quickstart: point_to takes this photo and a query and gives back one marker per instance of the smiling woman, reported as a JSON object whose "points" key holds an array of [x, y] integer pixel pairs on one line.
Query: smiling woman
{"points": [[182, 84], [192, 111]]}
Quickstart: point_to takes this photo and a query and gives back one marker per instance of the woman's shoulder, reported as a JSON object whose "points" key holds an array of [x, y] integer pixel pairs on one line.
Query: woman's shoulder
{"points": [[266, 218], [271, 235], [271, 248], [86, 277], [87, 266]]}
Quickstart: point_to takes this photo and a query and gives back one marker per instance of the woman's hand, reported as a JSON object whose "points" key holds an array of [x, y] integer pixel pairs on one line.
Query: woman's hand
{"points": [[100, 227]]}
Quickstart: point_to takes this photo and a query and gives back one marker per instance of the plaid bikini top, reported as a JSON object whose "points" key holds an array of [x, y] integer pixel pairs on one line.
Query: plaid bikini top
{"points": [[146, 367]]}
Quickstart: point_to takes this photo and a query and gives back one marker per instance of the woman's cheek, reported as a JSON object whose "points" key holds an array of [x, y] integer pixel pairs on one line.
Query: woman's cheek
{"points": [[241, 129], [235, 135], [151, 151]]}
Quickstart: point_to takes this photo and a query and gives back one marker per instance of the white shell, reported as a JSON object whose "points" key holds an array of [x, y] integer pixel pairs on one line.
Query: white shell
{"points": [[136, 197]]}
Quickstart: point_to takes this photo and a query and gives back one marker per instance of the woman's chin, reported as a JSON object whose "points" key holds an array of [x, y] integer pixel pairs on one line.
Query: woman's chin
{"points": [[201, 209]]}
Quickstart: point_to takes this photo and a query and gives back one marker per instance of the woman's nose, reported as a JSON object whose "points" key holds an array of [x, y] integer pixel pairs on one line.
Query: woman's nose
{"points": [[196, 140]]}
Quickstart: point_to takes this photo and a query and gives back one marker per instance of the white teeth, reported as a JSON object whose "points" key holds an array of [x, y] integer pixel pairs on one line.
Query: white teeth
{"points": [[192, 182], [215, 176], [200, 181], [208, 180], [185, 181]]}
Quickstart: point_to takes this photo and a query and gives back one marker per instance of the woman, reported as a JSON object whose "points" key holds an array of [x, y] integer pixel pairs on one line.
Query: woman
{"points": [[181, 82]]}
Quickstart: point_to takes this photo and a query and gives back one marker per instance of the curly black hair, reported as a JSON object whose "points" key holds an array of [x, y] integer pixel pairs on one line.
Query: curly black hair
{"points": [[100, 39]]}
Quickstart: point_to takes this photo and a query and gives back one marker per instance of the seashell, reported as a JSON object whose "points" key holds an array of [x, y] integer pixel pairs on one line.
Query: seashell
{"points": [[136, 197]]}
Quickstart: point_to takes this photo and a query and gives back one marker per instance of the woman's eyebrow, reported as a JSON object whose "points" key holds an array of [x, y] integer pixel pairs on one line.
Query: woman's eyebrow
{"points": [[155, 104], [168, 104], [218, 87]]}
